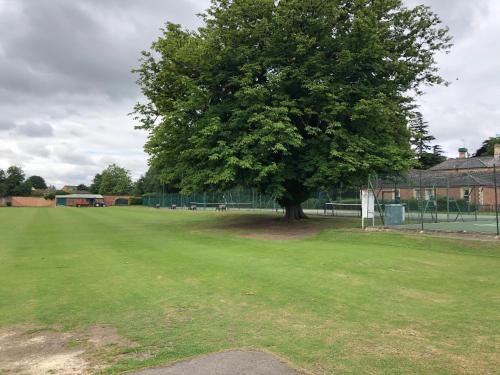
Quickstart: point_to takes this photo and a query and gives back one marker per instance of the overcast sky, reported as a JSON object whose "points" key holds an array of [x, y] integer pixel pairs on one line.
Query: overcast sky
{"points": [[66, 86]]}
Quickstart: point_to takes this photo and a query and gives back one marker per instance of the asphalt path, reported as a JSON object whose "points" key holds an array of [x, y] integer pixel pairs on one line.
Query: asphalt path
{"points": [[225, 363]]}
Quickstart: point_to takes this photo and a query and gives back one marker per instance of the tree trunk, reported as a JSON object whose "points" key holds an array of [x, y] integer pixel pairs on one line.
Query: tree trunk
{"points": [[294, 212]]}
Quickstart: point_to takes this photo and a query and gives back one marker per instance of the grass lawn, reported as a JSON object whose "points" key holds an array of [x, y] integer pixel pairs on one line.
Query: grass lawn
{"points": [[180, 284]]}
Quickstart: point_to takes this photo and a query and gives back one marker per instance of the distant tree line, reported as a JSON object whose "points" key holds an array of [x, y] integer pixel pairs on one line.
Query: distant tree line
{"points": [[13, 181], [115, 180]]}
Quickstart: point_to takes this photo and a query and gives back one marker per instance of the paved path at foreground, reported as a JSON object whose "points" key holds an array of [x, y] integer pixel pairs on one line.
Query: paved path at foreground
{"points": [[225, 363]]}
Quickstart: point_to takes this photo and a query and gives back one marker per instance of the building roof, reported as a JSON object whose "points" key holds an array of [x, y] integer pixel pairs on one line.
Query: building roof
{"points": [[81, 196], [440, 179], [467, 163]]}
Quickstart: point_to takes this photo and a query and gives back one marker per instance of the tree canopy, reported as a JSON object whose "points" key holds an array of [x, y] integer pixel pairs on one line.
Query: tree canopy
{"points": [[488, 147], [421, 140], [287, 96], [113, 180], [96, 184], [150, 183], [13, 183], [37, 182], [82, 187]]}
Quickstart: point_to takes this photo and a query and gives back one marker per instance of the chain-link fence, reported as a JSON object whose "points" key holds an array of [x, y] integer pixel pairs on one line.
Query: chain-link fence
{"points": [[455, 200], [333, 202]]}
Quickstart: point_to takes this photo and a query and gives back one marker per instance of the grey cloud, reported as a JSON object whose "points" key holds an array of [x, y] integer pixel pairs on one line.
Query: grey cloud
{"points": [[62, 176], [70, 155], [466, 113], [68, 64], [6, 125], [35, 130], [36, 147], [461, 16], [65, 72], [7, 153], [84, 46]]}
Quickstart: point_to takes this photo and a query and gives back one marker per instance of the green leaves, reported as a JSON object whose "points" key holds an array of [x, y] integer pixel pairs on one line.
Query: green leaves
{"points": [[287, 96], [114, 180]]}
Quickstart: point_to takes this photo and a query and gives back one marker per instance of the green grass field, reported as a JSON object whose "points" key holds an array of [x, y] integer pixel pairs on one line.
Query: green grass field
{"points": [[180, 284]]}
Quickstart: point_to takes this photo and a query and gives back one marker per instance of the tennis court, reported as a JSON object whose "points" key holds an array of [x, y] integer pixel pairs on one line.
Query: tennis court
{"points": [[482, 226]]}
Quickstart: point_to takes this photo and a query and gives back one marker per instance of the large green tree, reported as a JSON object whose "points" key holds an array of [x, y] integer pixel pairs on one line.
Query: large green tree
{"points": [[115, 180], [150, 182], [488, 147], [420, 138], [82, 187], [37, 182], [96, 184], [430, 159], [287, 96], [15, 183], [3, 187]]}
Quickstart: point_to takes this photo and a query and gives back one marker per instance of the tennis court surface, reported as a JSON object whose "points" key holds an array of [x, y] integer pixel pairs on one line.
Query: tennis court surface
{"points": [[481, 226]]}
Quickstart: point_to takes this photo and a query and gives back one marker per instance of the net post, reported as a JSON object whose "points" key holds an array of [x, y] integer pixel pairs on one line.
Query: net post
{"points": [[376, 201]]}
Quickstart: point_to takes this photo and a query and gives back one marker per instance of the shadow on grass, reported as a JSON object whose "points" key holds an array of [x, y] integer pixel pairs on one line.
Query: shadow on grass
{"points": [[273, 227]]}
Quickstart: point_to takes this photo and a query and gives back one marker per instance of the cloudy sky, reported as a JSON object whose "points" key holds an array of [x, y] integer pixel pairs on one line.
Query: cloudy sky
{"points": [[66, 86]]}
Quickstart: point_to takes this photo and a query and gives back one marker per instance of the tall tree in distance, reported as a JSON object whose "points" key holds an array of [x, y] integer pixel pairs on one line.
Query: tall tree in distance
{"points": [[150, 183], [115, 180], [15, 182], [96, 184], [37, 182], [430, 159], [82, 187], [420, 137], [3, 186], [421, 141], [488, 147], [288, 96]]}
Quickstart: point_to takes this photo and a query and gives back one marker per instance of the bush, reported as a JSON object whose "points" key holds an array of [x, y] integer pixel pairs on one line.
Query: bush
{"points": [[53, 194], [135, 201]]}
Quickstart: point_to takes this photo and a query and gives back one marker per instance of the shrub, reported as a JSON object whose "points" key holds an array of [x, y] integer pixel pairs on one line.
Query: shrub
{"points": [[53, 194], [135, 201]]}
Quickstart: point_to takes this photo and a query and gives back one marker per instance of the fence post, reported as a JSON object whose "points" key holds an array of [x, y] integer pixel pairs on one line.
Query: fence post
{"points": [[496, 196], [436, 202], [162, 195], [421, 202], [447, 200]]}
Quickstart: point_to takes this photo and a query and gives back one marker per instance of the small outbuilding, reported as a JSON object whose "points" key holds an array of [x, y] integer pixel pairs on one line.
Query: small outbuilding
{"points": [[79, 200]]}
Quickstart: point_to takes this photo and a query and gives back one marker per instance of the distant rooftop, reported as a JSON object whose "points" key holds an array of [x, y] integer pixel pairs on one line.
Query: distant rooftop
{"points": [[440, 178], [466, 163]]}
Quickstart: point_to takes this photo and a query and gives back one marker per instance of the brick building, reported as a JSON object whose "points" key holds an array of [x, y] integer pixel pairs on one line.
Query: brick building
{"points": [[470, 179]]}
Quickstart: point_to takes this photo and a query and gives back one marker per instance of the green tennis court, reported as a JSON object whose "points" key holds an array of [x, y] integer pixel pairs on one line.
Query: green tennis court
{"points": [[481, 226]]}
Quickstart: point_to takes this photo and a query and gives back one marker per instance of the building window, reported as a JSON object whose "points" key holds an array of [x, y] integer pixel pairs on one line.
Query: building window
{"points": [[429, 194], [465, 193]]}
